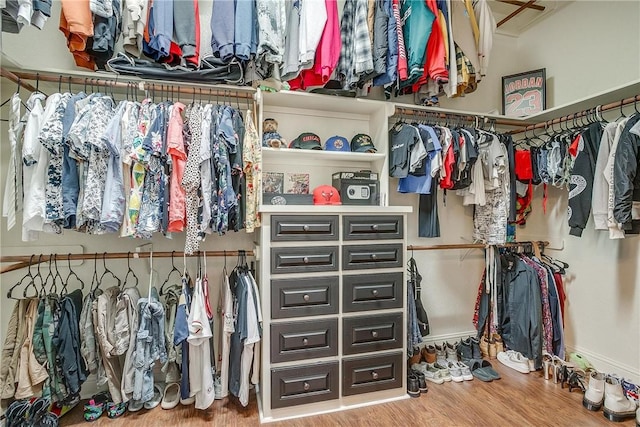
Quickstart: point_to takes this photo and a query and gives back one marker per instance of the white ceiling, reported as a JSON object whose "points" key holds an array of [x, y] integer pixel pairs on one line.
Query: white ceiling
{"points": [[525, 19]]}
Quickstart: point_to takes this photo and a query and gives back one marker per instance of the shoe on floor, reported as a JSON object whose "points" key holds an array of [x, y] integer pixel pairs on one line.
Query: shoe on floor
{"points": [[422, 381], [415, 357], [475, 348], [452, 351], [455, 371], [616, 406], [429, 354], [465, 352], [96, 406], [188, 401], [114, 410], [594, 395], [465, 371], [430, 373], [413, 389], [158, 393], [514, 360], [135, 405], [580, 361], [482, 370], [444, 370], [171, 396]]}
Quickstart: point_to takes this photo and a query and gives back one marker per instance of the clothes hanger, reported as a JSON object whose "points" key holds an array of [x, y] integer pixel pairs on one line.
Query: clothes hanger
{"points": [[39, 292], [622, 115], [95, 283], [173, 268], [49, 276], [26, 276], [72, 273], [129, 272], [107, 271]]}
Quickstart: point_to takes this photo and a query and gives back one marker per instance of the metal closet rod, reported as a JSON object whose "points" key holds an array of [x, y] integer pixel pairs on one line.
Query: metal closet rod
{"points": [[113, 83], [25, 260], [437, 115], [474, 246], [595, 110]]}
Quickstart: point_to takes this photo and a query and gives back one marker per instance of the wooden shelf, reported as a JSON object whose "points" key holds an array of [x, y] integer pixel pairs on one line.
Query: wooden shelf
{"points": [[291, 156]]}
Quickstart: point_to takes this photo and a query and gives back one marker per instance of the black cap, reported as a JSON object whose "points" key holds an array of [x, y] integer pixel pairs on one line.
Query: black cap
{"points": [[362, 143], [307, 141]]}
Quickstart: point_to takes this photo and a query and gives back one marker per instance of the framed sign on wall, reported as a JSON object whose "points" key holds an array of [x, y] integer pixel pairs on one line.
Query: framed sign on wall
{"points": [[523, 94]]}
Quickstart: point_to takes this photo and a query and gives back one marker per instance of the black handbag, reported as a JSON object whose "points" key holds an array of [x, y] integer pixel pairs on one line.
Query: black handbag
{"points": [[211, 70], [415, 280]]}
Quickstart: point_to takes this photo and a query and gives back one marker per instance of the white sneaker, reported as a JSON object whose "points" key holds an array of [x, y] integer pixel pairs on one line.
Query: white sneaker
{"points": [[465, 371], [217, 387], [514, 360], [430, 373], [455, 371]]}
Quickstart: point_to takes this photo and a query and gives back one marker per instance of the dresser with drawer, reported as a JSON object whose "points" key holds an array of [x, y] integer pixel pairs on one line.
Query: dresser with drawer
{"points": [[333, 296]]}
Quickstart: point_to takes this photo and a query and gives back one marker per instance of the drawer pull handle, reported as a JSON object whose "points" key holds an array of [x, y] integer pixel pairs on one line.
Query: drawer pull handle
{"points": [[305, 260], [306, 297], [374, 292], [374, 256], [374, 334], [306, 386], [305, 227], [305, 341], [374, 375], [374, 227]]}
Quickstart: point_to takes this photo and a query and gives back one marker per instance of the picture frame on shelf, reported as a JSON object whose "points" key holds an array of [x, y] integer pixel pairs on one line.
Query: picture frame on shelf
{"points": [[524, 94]]}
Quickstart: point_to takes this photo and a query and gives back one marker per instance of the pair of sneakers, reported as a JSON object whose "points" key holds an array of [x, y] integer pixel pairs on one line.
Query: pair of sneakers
{"points": [[432, 372], [416, 383], [30, 413], [459, 371]]}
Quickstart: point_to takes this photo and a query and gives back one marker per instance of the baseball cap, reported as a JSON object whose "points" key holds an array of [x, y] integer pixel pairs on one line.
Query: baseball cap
{"points": [[307, 141], [326, 195], [362, 143], [337, 143]]}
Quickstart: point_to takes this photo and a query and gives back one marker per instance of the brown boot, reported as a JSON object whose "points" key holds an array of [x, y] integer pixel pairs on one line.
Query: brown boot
{"points": [[499, 344], [415, 357], [429, 354]]}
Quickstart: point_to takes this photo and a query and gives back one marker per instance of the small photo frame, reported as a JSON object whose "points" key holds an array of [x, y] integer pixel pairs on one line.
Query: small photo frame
{"points": [[524, 94]]}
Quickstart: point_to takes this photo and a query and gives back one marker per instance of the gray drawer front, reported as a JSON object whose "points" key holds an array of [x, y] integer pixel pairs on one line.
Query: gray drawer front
{"points": [[304, 297], [304, 260], [304, 384], [368, 374], [373, 227], [372, 292], [363, 334], [356, 257], [304, 340], [287, 228]]}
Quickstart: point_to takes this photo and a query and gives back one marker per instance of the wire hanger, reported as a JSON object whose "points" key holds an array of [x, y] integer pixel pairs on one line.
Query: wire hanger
{"points": [[129, 272], [41, 292], [49, 276], [107, 271], [173, 268], [71, 273], [28, 275]]}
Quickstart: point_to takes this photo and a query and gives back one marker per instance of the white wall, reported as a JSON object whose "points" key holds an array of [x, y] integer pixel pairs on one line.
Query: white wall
{"points": [[586, 47]]}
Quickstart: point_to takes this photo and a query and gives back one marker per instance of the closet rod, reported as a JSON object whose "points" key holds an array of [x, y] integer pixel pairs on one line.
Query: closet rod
{"points": [[473, 246], [125, 82], [404, 111], [24, 260], [16, 79], [583, 113]]}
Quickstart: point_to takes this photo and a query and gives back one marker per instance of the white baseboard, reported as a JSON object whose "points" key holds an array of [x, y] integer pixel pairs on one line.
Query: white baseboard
{"points": [[606, 364], [431, 339]]}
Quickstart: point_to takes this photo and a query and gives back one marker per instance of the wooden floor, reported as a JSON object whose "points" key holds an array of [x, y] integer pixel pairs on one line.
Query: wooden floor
{"points": [[514, 400]]}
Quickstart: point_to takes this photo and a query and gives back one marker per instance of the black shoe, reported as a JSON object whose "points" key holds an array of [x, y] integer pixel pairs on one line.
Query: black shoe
{"points": [[422, 381], [413, 386], [475, 348], [465, 352]]}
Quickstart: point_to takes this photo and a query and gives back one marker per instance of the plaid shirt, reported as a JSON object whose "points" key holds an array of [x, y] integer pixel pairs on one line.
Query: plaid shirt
{"points": [[355, 56]]}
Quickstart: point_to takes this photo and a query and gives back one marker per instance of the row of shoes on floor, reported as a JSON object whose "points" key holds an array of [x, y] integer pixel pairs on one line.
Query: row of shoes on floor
{"points": [[448, 362], [617, 397], [166, 396], [34, 412]]}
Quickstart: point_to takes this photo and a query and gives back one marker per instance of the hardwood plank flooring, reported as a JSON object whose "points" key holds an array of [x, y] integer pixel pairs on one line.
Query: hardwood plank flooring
{"points": [[514, 400]]}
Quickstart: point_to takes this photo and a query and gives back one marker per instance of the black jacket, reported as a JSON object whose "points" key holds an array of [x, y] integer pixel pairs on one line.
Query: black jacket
{"points": [[581, 184], [626, 177]]}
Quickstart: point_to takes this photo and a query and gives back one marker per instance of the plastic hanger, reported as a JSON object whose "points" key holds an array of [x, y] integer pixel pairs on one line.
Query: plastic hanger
{"points": [[28, 275], [173, 268], [129, 272]]}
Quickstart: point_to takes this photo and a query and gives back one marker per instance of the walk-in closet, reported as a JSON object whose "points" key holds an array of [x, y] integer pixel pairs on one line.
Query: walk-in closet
{"points": [[319, 213]]}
